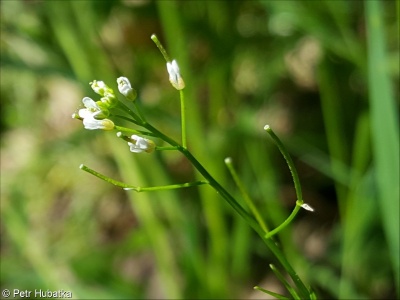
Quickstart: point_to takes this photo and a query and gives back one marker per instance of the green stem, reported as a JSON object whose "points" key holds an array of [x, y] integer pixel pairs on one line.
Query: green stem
{"points": [[245, 195], [166, 148], [284, 282], [304, 292], [138, 188], [138, 120], [250, 220], [289, 161], [126, 119], [276, 295], [141, 115], [125, 129], [183, 118], [286, 222], [160, 47]]}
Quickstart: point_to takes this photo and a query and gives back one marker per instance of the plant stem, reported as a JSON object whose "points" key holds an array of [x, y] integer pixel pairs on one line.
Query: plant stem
{"points": [[160, 47], [138, 120], [125, 129], [141, 115], [138, 188], [304, 292], [166, 148], [285, 223], [245, 195], [289, 161], [183, 118]]}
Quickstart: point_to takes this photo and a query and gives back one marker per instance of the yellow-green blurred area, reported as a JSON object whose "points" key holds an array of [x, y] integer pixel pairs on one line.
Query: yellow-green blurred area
{"points": [[323, 74]]}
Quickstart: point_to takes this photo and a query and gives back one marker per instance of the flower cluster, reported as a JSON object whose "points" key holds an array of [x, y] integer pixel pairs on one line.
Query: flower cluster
{"points": [[94, 115], [95, 112]]}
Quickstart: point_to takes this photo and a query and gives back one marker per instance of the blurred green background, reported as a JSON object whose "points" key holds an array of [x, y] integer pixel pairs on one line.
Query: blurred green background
{"points": [[323, 74]]}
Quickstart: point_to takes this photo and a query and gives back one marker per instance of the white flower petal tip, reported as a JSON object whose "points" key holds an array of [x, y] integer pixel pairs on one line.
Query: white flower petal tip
{"points": [[267, 127], [175, 76], [307, 207], [228, 160], [140, 145], [119, 134]]}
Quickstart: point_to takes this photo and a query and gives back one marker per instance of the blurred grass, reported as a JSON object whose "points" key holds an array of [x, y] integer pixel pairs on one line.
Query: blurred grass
{"points": [[385, 133], [321, 74]]}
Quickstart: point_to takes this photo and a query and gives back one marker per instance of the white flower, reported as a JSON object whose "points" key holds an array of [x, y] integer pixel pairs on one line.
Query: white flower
{"points": [[107, 94], [99, 87], [93, 116], [174, 75], [125, 88], [141, 145], [307, 207], [92, 123], [92, 109]]}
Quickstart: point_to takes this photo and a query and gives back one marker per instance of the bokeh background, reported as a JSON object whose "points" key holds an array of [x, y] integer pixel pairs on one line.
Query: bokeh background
{"points": [[323, 74]]}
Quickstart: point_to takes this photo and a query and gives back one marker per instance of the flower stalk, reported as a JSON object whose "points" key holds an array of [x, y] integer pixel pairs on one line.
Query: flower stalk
{"points": [[138, 189]]}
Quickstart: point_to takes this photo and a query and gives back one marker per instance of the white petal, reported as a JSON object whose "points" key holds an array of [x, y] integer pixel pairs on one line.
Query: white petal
{"points": [[90, 104], [91, 123], [175, 66], [307, 207], [175, 76], [140, 144], [85, 113]]}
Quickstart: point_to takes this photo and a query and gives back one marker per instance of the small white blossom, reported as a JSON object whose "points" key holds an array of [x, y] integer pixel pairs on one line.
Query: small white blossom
{"points": [[140, 145], [92, 124], [174, 75], [99, 87], [125, 88], [307, 207], [107, 94], [94, 116], [92, 109]]}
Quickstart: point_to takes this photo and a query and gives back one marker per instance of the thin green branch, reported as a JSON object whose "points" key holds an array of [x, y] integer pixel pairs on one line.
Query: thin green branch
{"points": [[245, 195], [183, 118], [160, 47], [289, 161], [139, 120], [166, 148], [304, 292], [140, 132], [126, 119], [141, 115], [286, 222], [276, 295], [138, 188], [282, 279]]}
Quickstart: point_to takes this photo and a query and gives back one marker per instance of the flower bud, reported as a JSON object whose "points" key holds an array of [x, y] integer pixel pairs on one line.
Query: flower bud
{"points": [[99, 87], [175, 76], [93, 109], [140, 145], [307, 207], [125, 88], [92, 123]]}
